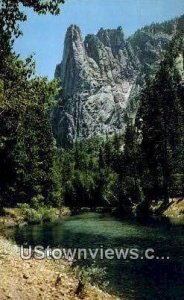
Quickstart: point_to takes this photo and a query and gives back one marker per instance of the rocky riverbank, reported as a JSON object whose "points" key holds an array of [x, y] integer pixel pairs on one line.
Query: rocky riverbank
{"points": [[175, 211], [33, 279]]}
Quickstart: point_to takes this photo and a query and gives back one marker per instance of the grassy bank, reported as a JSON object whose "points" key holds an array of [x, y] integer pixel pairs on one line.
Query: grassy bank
{"points": [[24, 214]]}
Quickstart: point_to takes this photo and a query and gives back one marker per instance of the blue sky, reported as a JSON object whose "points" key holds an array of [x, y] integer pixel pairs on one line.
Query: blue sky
{"points": [[44, 35]]}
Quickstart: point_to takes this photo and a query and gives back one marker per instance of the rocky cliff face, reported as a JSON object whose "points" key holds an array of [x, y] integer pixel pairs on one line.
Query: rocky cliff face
{"points": [[100, 76]]}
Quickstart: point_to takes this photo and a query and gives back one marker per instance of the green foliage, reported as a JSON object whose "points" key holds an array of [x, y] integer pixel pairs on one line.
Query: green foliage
{"points": [[167, 27], [32, 216], [57, 178], [26, 152], [26, 141], [160, 123], [38, 214], [93, 275], [88, 173], [48, 214]]}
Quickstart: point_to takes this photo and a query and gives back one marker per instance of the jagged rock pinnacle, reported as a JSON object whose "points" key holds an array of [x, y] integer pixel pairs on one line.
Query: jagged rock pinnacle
{"points": [[100, 76]]}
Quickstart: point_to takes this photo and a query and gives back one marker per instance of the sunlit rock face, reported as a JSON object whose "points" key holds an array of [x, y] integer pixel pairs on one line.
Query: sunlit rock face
{"points": [[100, 76]]}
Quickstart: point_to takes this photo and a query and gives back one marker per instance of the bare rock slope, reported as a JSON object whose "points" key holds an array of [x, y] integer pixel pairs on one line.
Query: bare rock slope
{"points": [[100, 75]]}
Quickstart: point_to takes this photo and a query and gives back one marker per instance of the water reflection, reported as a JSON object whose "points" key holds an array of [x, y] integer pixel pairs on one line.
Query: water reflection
{"points": [[138, 279]]}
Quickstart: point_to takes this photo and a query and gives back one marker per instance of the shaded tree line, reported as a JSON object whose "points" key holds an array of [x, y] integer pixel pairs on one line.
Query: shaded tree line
{"points": [[26, 139]]}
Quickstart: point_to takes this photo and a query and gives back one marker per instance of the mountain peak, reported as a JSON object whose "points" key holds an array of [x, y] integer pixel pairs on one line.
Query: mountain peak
{"points": [[101, 76]]}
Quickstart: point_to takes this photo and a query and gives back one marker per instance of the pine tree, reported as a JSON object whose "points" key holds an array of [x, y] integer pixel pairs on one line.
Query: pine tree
{"points": [[160, 112]]}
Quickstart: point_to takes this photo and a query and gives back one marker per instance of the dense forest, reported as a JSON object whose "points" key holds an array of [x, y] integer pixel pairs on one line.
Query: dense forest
{"points": [[26, 140], [125, 171]]}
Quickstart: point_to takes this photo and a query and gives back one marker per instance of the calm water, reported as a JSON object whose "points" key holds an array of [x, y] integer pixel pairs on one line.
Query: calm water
{"points": [[130, 279]]}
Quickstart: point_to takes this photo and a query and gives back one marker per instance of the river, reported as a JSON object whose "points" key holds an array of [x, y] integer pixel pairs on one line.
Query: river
{"points": [[150, 279]]}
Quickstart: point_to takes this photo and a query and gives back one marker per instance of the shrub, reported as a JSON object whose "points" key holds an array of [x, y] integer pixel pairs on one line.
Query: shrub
{"points": [[92, 275], [37, 201], [23, 208], [32, 216], [48, 214], [37, 215]]}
